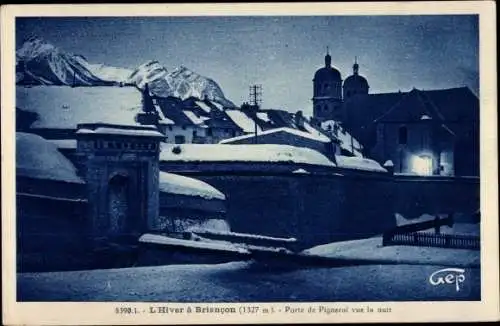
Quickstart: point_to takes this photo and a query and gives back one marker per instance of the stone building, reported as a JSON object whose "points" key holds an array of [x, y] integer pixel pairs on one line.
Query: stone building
{"points": [[120, 166], [327, 91], [431, 132], [355, 84]]}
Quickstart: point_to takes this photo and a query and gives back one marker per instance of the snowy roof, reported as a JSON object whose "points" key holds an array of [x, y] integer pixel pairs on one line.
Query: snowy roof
{"points": [[194, 118], [358, 163], [314, 131], [243, 121], [317, 137], [65, 107], [38, 158], [263, 116], [218, 105], [203, 106], [243, 153], [180, 185], [121, 132], [347, 142]]}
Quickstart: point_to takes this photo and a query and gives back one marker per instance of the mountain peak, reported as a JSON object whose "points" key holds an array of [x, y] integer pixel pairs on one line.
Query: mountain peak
{"points": [[33, 47]]}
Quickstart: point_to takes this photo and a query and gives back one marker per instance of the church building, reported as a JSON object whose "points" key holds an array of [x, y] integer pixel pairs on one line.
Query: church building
{"points": [[422, 132]]}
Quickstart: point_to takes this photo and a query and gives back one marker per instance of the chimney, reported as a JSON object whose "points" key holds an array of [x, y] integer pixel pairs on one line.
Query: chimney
{"points": [[299, 120]]}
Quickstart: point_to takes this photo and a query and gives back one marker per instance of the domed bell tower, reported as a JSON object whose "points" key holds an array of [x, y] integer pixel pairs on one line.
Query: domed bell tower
{"points": [[355, 84], [327, 92]]}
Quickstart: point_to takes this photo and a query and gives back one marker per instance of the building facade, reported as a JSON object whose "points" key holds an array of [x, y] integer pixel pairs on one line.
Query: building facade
{"points": [[327, 91], [420, 132]]}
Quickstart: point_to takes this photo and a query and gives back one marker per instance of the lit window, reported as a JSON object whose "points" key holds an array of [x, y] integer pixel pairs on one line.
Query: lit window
{"points": [[422, 164]]}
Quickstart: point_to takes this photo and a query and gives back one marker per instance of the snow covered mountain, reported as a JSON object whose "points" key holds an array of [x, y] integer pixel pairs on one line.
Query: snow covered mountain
{"points": [[181, 82], [41, 63]]}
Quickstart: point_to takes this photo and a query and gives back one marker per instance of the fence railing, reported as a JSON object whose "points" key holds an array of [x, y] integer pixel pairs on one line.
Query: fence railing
{"points": [[432, 240]]}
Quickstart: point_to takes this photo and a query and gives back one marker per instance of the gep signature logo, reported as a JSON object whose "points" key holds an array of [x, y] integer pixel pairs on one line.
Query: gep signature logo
{"points": [[448, 276]]}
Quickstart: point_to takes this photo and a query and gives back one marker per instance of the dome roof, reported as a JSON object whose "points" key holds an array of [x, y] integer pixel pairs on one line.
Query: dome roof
{"points": [[327, 73], [355, 81]]}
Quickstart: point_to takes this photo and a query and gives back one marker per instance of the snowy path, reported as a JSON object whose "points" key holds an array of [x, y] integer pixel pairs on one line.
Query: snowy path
{"points": [[243, 282]]}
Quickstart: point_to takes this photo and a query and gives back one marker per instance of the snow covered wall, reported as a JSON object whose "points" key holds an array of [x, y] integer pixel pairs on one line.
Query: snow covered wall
{"points": [[319, 208], [312, 207]]}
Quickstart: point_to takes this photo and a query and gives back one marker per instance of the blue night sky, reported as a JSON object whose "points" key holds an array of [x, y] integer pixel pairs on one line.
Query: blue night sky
{"points": [[281, 53]]}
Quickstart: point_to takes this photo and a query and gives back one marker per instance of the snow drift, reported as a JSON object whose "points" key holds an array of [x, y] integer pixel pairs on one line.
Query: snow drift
{"points": [[180, 185], [40, 159]]}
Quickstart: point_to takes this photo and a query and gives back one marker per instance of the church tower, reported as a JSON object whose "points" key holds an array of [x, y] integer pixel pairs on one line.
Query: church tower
{"points": [[327, 94], [355, 84]]}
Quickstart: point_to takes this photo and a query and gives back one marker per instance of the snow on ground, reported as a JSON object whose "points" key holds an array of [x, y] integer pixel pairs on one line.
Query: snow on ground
{"points": [[212, 225], [39, 158], [372, 249], [211, 245], [243, 121], [246, 282], [246, 235], [243, 153], [65, 107], [177, 184], [358, 163], [317, 137]]}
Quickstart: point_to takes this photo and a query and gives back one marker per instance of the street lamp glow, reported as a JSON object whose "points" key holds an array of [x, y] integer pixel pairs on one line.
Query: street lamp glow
{"points": [[422, 164]]}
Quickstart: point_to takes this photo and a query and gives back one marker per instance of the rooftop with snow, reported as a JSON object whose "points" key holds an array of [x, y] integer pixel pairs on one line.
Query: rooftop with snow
{"points": [[317, 137], [242, 153]]}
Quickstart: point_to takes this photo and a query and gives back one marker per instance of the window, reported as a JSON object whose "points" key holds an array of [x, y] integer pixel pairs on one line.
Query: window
{"points": [[179, 139], [194, 133], [422, 165], [403, 135], [183, 127], [325, 108], [209, 131]]}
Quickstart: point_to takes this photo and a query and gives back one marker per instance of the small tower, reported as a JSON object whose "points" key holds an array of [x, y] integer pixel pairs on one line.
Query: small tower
{"points": [[355, 84], [149, 115], [121, 167], [327, 91]]}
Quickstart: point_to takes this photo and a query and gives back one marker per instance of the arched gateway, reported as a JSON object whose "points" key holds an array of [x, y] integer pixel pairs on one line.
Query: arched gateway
{"points": [[120, 166]]}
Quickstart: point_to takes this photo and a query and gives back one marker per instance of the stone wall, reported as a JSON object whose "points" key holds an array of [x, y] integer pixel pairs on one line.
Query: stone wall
{"points": [[416, 195], [326, 207], [314, 208]]}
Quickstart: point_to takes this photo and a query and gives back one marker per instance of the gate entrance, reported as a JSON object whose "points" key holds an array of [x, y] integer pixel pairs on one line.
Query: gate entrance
{"points": [[118, 204]]}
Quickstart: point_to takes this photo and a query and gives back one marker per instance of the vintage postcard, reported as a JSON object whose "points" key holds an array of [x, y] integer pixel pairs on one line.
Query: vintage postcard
{"points": [[249, 163]]}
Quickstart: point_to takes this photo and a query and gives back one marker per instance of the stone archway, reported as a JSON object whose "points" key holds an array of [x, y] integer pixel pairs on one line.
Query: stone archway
{"points": [[118, 203]]}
